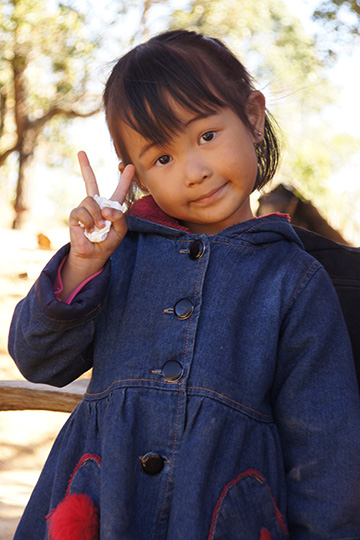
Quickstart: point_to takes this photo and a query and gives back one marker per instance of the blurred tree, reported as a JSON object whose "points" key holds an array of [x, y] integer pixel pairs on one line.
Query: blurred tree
{"points": [[45, 54], [49, 51]]}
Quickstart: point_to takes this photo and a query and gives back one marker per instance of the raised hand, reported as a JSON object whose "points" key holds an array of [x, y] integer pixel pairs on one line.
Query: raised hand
{"points": [[86, 257]]}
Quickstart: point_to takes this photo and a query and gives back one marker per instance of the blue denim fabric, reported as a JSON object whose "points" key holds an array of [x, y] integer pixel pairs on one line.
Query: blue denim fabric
{"points": [[261, 432]]}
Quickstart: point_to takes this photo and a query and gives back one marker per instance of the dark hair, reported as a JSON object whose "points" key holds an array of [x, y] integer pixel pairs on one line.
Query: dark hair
{"points": [[199, 73]]}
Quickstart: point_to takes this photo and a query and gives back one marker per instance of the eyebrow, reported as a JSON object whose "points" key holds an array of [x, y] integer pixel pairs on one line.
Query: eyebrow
{"points": [[199, 116], [146, 148]]}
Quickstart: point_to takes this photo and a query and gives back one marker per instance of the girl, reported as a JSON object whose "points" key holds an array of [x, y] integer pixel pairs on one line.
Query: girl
{"points": [[223, 402]]}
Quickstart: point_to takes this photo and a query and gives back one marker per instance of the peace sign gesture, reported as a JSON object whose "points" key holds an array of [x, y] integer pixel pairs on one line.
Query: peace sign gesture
{"points": [[87, 257]]}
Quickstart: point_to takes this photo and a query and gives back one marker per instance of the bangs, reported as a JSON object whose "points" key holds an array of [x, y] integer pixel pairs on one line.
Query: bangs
{"points": [[151, 83]]}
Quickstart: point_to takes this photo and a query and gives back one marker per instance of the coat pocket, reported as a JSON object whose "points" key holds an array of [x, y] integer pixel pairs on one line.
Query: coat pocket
{"points": [[246, 510], [76, 517]]}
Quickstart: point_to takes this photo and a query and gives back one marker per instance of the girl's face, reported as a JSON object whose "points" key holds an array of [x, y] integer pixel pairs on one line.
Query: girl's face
{"points": [[205, 175]]}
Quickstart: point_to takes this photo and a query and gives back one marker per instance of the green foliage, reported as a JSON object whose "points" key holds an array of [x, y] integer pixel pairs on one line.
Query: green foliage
{"points": [[45, 59], [341, 17], [53, 48]]}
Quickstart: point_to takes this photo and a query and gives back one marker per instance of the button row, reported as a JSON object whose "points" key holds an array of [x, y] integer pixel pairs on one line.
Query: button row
{"points": [[152, 463], [183, 309]]}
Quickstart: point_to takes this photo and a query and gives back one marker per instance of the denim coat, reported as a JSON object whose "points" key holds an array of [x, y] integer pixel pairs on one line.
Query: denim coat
{"points": [[342, 263], [223, 401]]}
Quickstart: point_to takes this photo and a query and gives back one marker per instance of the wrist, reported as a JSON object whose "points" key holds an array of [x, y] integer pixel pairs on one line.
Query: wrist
{"points": [[82, 267], [76, 271]]}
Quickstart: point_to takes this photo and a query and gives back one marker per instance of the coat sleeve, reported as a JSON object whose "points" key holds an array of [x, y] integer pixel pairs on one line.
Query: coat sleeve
{"points": [[50, 341], [316, 405]]}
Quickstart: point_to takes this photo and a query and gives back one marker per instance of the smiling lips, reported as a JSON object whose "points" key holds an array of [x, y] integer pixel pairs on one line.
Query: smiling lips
{"points": [[211, 196]]}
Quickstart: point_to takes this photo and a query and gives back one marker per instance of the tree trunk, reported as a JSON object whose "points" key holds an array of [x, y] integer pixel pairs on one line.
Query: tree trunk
{"points": [[21, 206], [26, 154], [19, 64]]}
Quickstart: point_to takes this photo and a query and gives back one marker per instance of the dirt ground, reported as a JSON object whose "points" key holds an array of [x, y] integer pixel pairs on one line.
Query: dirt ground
{"points": [[25, 436]]}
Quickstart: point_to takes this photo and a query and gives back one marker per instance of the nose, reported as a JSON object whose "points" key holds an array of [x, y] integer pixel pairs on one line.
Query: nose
{"points": [[197, 169]]}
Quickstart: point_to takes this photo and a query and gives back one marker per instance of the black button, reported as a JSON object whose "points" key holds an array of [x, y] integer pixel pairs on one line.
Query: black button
{"points": [[172, 370], [152, 463], [183, 308], [197, 250]]}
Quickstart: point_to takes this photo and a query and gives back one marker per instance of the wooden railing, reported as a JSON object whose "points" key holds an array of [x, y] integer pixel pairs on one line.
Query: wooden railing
{"points": [[23, 395]]}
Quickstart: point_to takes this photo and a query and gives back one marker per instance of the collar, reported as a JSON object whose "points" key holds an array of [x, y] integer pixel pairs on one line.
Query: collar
{"points": [[146, 208]]}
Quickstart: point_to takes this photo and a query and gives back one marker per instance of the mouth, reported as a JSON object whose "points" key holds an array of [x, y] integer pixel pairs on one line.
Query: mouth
{"points": [[211, 195]]}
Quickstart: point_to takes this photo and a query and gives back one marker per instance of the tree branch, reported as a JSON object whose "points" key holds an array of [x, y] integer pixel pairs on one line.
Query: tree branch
{"points": [[6, 154], [37, 124], [3, 97], [58, 111]]}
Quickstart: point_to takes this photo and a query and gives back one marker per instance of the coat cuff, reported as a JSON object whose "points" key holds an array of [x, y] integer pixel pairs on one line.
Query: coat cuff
{"points": [[59, 286], [85, 303]]}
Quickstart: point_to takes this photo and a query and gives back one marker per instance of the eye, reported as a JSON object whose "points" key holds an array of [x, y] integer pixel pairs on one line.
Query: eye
{"points": [[207, 137], [163, 160]]}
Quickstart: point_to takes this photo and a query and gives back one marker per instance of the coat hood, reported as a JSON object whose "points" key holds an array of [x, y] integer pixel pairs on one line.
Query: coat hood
{"points": [[145, 216]]}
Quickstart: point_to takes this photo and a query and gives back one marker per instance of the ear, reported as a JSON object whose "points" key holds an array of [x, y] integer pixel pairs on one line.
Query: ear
{"points": [[121, 167], [255, 110]]}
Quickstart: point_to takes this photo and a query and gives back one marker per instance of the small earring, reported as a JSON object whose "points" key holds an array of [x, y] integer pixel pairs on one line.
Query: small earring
{"points": [[259, 133]]}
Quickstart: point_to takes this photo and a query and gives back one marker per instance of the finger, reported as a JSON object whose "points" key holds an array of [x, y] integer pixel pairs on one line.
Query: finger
{"points": [[124, 184], [88, 213], [80, 217], [88, 175]]}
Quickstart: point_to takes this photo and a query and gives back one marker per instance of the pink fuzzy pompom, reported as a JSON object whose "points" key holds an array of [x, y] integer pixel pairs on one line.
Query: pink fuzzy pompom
{"points": [[265, 535], [75, 518]]}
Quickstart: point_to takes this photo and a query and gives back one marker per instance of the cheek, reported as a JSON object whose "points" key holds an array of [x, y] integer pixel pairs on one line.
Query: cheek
{"points": [[167, 197], [243, 161]]}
